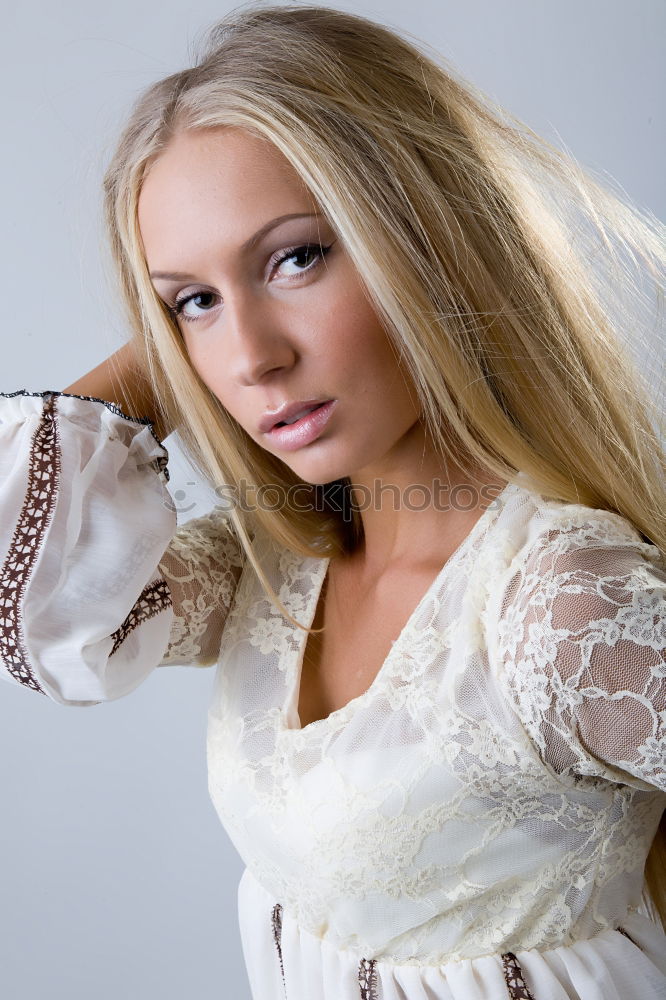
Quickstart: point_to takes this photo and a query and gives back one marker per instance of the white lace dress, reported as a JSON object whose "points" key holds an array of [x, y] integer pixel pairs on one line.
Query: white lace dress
{"points": [[475, 825]]}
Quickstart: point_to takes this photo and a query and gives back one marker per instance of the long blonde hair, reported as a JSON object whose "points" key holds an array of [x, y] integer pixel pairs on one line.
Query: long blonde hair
{"points": [[504, 274]]}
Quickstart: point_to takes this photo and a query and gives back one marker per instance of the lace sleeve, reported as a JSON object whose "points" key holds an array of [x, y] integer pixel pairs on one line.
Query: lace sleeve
{"points": [[581, 644], [201, 566]]}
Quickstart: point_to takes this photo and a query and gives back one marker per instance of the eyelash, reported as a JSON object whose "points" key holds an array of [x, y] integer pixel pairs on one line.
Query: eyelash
{"points": [[176, 309]]}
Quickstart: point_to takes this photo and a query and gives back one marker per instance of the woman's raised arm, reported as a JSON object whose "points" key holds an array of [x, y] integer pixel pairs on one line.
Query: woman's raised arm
{"points": [[97, 584], [119, 379]]}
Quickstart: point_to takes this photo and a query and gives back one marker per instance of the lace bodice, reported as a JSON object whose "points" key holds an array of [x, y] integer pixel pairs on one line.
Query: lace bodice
{"points": [[499, 783]]}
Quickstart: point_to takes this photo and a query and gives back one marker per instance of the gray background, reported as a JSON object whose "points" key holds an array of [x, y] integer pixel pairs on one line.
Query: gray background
{"points": [[116, 878]]}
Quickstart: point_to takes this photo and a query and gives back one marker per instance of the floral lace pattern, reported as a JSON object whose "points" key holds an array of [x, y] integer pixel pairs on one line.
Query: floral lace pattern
{"points": [[201, 567], [583, 647], [477, 799]]}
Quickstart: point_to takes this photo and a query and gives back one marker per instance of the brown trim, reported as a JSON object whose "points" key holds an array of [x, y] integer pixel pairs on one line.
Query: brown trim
{"points": [[33, 520], [276, 925], [514, 979], [367, 979], [622, 931], [160, 462], [151, 601]]}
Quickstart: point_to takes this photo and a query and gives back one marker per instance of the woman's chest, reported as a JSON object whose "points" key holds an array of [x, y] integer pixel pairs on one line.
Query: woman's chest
{"points": [[341, 662], [338, 668]]}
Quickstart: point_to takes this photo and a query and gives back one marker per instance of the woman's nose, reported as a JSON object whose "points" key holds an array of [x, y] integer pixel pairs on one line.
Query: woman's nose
{"points": [[257, 345]]}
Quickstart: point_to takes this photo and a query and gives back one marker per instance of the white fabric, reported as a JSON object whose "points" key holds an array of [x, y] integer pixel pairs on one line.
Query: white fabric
{"points": [[98, 540], [201, 565], [497, 787], [605, 967], [98, 549]]}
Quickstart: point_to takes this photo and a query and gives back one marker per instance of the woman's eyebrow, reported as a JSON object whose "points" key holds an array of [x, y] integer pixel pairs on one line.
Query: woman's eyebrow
{"points": [[248, 245]]}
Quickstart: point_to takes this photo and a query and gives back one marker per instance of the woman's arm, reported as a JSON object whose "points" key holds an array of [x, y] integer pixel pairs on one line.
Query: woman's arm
{"points": [[119, 379], [85, 517], [202, 567], [98, 586], [581, 645]]}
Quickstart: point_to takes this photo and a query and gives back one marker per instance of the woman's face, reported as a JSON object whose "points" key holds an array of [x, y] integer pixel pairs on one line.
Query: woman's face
{"points": [[272, 312]]}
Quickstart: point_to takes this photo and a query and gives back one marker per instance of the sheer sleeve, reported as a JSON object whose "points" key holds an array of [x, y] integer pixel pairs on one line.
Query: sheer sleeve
{"points": [[201, 566], [581, 644], [97, 585]]}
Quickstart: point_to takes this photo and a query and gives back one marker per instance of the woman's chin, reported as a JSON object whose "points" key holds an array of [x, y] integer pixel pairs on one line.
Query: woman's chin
{"points": [[312, 467], [319, 479]]}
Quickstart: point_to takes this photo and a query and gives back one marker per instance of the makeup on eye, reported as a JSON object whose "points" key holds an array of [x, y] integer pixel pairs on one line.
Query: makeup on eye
{"points": [[315, 250]]}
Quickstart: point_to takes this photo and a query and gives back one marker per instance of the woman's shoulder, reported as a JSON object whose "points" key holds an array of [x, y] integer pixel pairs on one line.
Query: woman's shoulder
{"points": [[537, 522], [540, 548]]}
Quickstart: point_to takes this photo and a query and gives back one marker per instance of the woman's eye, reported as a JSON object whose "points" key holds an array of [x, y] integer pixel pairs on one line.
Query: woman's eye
{"points": [[178, 310], [313, 252]]}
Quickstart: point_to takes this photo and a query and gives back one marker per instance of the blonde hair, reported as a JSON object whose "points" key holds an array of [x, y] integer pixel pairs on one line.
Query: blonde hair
{"points": [[501, 270]]}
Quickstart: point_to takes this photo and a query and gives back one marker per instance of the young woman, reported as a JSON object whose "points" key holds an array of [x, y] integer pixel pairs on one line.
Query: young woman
{"points": [[434, 589]]}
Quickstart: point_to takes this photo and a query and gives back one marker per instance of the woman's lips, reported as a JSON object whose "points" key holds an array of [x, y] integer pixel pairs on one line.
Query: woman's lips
{"points": [[291, 437]]}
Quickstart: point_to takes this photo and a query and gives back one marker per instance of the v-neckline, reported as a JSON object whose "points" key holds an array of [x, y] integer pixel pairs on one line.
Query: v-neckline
{"points": [[291, 719]]}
